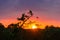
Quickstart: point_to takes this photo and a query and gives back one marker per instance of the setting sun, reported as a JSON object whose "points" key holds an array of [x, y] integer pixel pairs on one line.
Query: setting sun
{"points": [[34, 27]]}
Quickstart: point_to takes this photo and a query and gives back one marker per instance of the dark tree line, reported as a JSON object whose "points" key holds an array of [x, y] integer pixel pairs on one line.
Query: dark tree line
{"points": [[16, 31]]}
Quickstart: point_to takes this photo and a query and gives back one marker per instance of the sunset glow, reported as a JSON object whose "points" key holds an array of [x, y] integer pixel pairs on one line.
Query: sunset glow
{"points": [[41, 23], [34, 27], [30, 19], [46, 11]]}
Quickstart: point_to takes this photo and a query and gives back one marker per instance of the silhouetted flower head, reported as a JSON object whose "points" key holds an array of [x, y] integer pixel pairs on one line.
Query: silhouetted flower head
{"points": [[30, 12]]}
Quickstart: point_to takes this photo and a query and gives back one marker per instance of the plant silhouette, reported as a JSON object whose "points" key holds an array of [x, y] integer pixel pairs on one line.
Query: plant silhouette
{"points": [[16, 32], [24, 17]]}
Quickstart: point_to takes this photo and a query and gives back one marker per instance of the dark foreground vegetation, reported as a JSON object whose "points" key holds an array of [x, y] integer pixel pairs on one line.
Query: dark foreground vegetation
{"points": [[14, 33]]}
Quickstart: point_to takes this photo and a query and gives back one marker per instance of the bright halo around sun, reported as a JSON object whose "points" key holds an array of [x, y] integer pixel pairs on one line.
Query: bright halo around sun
{"points": [[34, 27]]}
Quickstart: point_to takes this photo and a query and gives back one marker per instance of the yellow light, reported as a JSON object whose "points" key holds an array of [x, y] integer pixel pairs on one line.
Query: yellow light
{"points": [[34, 27]]}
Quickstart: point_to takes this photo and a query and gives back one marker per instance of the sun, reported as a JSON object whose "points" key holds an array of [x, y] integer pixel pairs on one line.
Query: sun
{"points": [[34, 27], [31, 26]]}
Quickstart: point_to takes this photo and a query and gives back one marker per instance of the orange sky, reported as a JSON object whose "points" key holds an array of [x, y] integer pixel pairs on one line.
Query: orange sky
{"points": [[40, 21]]}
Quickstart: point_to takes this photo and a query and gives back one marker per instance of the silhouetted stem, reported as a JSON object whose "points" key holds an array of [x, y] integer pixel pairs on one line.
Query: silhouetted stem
{"points": [[25, 21]]}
